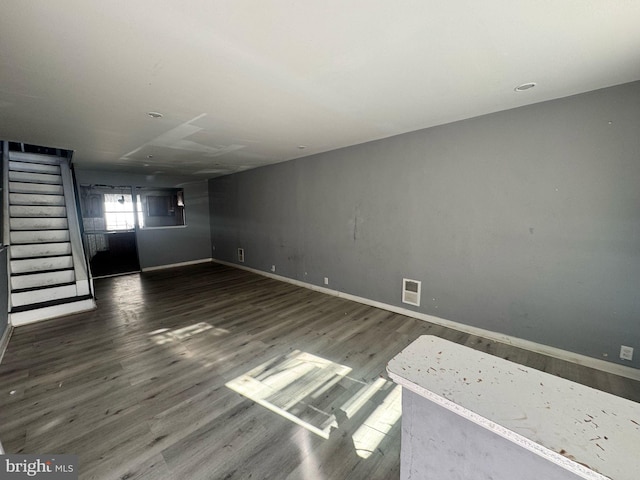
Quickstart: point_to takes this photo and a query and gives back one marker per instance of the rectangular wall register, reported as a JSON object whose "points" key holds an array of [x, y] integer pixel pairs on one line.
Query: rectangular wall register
{"points": [[587, 433]]}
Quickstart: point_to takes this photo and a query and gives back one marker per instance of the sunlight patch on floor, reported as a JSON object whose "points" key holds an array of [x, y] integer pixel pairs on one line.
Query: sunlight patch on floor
{"points": [[286, 385], [166, 335], [374, 429], [317, 394], [355, 403]]}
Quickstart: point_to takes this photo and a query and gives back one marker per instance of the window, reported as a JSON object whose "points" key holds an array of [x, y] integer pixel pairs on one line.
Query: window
{"points": [[107, 208], [118, 214], [162, 207]]}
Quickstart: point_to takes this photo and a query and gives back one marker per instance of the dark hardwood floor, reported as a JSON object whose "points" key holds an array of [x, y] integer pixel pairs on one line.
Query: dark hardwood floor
{"points": [[146, 386]]}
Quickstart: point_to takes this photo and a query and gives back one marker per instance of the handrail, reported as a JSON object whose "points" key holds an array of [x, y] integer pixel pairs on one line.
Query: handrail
{"points": [[77, 206], [6, 228], [77, 250], [5, 193]]}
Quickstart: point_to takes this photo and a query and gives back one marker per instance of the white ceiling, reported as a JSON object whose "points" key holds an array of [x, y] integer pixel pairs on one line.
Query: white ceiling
{"points": [[245, 83]]}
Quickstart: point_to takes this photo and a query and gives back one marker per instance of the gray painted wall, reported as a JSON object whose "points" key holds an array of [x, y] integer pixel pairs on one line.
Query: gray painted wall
{"points": [[524, 222], [166, 246]]}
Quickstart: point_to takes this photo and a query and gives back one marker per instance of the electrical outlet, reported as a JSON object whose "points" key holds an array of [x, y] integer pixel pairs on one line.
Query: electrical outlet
{"points": [[626, 353], [273, 268], [326, 280]]}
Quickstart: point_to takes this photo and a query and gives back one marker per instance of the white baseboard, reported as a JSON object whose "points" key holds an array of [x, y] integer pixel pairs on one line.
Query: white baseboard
{"points": [[181, 264], [577, 358], [47, 313], [4, 341]]}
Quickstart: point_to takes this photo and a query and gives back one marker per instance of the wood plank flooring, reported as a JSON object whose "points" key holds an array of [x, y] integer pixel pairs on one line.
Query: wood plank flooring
{"points": [[146, 386]]}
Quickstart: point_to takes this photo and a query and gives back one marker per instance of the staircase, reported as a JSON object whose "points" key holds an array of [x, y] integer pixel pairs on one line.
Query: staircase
{"points": [[48, 275]]}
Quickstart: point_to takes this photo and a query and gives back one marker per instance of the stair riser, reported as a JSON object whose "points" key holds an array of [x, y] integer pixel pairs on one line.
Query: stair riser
{"points": [[35, 199], [34, 158], [37, 315], [40, 250], [34, 168], [44, 295], [38, 224], [35, 188], [35, 178], [40, 264], [42, 279], [37, 211], [39, 236]]}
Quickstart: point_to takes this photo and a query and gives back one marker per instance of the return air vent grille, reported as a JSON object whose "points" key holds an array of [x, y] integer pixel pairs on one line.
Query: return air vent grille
{"points": [[411, 291], [241, 255]]}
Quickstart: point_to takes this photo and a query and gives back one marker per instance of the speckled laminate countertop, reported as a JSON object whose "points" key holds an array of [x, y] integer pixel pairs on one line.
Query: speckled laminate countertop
{"points": [[593, 434]]}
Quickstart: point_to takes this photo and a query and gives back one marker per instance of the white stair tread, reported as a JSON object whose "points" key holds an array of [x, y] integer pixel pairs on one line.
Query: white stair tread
{"points": [[42, 279], [35, 178], [37, 211], [41, 250], [38, 223], [39, 236], [39, 188], [40, 264], [43, 295], [34, 167], [35, 158], [45, 313], [35, 199]]}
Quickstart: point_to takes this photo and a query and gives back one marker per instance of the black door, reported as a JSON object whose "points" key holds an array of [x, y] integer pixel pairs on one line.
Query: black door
{"points": [[108, 217]]}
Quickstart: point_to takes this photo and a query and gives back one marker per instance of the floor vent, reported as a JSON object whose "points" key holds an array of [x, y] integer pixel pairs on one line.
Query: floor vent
{"points": [[411, 291], [241, 255]]}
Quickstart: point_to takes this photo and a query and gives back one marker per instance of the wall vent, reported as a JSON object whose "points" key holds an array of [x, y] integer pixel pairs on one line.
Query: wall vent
{"points": [[241, 255], [411, 291]]}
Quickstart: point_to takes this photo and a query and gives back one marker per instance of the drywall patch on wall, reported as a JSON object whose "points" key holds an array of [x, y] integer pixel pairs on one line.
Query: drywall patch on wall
{"points": [[356, 222]]}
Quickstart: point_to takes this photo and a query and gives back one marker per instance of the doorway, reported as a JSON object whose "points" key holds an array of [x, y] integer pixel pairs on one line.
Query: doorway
{"points": [[108, 217]]}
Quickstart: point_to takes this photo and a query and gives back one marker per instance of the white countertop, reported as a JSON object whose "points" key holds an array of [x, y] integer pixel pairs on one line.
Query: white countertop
{"points": [[591, 433]]}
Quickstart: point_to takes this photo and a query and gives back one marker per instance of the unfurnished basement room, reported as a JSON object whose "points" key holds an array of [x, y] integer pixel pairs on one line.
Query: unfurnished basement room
{"points": [[320, 240]]}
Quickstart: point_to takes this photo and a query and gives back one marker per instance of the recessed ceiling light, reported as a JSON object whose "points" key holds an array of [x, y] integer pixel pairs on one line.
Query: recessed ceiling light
{"points": [[525, 86], [302, 147], [149, 156], [154, 114]]}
